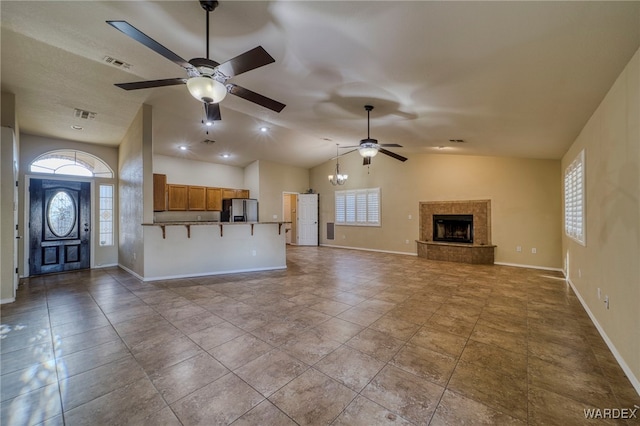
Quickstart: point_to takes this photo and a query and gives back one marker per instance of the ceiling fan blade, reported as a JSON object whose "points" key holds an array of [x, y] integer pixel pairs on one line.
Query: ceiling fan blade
{"points": [[255, 97], [212, 112], [151, 83], [141, 37], [344, 153], [366, 161], [249, 60], [392, 154], [391, 145]]}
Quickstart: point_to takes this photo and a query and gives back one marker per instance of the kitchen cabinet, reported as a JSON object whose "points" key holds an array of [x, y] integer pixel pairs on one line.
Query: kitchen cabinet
{"points": [[177, 196], [159, 192], [234, 193], [214, 199], [196, 198]]}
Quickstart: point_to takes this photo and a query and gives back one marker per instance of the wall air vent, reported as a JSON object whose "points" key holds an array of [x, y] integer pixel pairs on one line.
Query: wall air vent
{"points": [[85, 115], [208, 141], [116, 62], [457, 140]]}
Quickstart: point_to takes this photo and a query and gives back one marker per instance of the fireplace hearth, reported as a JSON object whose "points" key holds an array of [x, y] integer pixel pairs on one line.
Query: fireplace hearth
{"points": [[453, 228]]}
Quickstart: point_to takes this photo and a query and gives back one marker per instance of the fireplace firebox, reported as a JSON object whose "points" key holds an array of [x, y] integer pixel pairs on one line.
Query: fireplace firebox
{"points": [[453, 228]]}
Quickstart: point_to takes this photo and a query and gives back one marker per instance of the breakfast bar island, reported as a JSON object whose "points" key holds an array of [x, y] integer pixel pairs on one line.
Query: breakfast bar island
{"points": [[188, 249]]}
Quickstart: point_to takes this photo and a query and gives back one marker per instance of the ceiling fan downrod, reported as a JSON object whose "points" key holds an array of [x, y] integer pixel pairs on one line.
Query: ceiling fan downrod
{"points": [[208, 6]]}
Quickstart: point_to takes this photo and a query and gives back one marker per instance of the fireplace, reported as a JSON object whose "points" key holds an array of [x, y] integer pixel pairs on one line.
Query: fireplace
{"points": [[453, 228]]}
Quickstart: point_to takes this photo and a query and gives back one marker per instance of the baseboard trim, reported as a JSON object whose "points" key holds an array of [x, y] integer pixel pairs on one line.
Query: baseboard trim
{"points": [[366, 249], [518, 265], [131, 272], [204, 274], [109, 265], [9, 300], [632, 378]]}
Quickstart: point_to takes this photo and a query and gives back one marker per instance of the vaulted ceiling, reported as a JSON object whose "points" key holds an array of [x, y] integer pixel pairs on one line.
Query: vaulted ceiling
{"points": [[509, 78]]}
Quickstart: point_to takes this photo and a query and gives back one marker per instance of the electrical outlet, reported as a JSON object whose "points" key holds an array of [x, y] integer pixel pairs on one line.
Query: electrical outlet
{"points": [[580, 274], [275, 216], [253, 252], [606, 301], [409, 217], [406, 241], [199, 217], [519, 249], [534, 250]]}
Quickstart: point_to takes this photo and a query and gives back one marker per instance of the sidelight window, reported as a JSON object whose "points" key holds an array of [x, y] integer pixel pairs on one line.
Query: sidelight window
{"points": [[106, 215], [574, 199]]}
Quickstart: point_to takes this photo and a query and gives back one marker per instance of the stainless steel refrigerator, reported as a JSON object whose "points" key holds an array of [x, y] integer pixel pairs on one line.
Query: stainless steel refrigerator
{"points": [[239, 210]]}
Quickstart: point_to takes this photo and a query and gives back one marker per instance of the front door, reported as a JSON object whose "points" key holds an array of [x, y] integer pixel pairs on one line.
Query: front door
{"points": [[59, 226], [307, 229]]}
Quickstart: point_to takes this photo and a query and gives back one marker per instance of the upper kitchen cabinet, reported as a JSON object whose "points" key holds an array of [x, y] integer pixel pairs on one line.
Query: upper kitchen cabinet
{"points": [[159, 192], [197, 196], [234, 193], [177, 196], [214, 199]]}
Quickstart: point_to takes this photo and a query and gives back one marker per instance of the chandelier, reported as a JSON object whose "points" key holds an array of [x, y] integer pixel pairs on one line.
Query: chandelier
{"points": [[337, 178]]}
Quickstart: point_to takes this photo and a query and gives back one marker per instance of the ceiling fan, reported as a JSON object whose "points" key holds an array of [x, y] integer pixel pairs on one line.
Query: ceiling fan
{"points": [[207, 79], [369, 148]]}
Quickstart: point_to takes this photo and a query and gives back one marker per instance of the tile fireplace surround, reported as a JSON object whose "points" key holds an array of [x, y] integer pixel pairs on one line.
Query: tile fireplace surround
{"points": [[481, 251]]}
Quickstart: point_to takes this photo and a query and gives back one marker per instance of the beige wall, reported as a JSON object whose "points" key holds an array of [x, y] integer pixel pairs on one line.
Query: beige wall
{"points": [[135, 183], [275, 179], [9, 151], [524, 193], [252, 179], [609, 260]]}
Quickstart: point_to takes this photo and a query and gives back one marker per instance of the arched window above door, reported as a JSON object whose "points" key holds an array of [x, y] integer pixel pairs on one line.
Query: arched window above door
{"points": [[71, 163]]}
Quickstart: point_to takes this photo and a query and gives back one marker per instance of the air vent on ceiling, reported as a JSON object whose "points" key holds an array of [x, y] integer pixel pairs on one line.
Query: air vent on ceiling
{"points": [[456, 140], [208, 141], [85, 115], [116, 62]]}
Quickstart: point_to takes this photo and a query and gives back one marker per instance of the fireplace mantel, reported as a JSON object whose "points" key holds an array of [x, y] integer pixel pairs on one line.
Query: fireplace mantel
{"points": [[480, 251]]}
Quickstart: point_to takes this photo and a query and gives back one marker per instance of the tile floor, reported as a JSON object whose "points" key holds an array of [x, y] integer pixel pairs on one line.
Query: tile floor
{"points": [[341, 337]]}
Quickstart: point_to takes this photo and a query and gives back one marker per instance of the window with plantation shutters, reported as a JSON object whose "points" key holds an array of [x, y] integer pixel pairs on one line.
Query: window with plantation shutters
{"points": [[574, 199], [359, 207]]}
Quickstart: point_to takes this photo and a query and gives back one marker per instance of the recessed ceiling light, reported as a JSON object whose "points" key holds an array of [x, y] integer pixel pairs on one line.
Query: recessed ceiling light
{"points": [[263, 129], [225, 155], [75, 127], [183, 148]]}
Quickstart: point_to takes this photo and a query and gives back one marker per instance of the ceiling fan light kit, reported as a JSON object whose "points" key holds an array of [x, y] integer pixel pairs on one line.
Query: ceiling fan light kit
{"points": [[368, 149], [206, 89]]}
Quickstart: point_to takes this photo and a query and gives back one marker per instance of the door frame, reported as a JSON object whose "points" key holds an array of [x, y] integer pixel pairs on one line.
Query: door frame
{"points": [[27, 214], [293, 231]]}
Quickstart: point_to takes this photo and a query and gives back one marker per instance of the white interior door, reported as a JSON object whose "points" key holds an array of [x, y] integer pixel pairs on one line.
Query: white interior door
{"points": [[307, 219]]}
